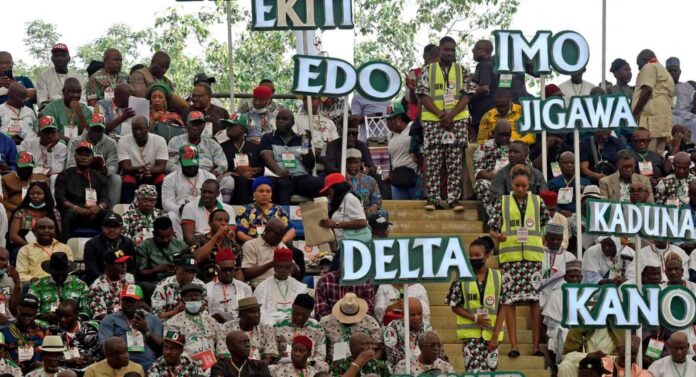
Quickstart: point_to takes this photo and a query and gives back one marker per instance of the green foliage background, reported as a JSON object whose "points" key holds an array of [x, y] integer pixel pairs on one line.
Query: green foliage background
{"points": [[385, 30]]}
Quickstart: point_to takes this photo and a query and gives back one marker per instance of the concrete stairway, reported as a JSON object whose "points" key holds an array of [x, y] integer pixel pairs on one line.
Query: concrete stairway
{"points": [[411, 220]]}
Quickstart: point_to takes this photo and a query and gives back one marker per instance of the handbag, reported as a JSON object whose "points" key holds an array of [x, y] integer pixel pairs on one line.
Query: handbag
{"points": [[363, 234], [403, 177]]}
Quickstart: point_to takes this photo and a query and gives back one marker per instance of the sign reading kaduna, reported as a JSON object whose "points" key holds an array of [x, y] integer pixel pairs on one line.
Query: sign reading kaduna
{"points": [[590, 305], [403, 260]]}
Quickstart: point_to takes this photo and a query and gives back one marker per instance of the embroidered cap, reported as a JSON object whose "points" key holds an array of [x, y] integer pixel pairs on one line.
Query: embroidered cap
{"points": [[395, 110], [175, 337], [305, 341], [25, 160], [60, 47], [97, 120], [47, 122], [550, 198], [554, 228], [237, 119], [282, 255], [85, 145], [224, 254], [132, 291], [188, 155], [195, 116]]}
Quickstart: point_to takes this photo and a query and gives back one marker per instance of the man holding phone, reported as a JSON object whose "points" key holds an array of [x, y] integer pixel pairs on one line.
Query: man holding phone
{"points": [[7, 78]]}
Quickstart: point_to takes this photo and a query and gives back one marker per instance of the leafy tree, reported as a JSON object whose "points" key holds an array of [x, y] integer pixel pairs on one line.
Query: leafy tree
{"points": [[385, 30]]}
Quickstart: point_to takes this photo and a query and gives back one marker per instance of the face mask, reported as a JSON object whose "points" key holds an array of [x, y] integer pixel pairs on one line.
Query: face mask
{"points": [[262, 110], [193, 307], [37, 206], [477, 263]]}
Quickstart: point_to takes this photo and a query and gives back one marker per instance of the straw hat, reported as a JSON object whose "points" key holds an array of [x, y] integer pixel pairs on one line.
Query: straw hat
{"points": [[350, 309], [52, 343]]}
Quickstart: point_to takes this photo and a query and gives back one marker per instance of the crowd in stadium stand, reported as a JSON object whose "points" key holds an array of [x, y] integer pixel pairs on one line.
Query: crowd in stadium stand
{"points": [[148, 231]]}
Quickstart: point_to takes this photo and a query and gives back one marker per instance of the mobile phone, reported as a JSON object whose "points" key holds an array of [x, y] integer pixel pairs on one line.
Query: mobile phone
{"points": [[142, 313]]}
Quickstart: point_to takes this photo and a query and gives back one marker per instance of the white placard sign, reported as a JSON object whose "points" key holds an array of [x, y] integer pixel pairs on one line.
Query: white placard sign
{"points": [[403, 260]]}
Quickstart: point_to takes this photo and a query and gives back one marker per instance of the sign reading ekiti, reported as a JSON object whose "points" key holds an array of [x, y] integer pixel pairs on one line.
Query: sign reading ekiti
{"points": [[301, 14], [403, 260]]}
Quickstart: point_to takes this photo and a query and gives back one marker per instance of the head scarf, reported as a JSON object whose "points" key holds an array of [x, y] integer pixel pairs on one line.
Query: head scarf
{"points": [[144, 191]]}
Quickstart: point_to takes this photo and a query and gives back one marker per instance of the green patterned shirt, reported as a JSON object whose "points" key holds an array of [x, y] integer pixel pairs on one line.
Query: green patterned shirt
{"points": [[100, 80], [186, 368], [378, 367], [50, 294]]}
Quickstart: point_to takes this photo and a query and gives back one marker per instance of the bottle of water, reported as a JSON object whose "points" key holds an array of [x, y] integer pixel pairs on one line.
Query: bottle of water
{"points": [[305, 144]]}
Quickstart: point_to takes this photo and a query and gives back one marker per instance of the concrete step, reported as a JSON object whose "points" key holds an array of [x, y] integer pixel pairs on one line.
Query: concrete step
{"points": [[453, 350], [439, 310], [467, 238], [420, 204], [450, 323], [450, 337], [437, 227], [419, 214], [521, 363]]}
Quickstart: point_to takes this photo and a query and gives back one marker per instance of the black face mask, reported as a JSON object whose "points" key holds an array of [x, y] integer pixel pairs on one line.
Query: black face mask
{"points": [[477, 263]]}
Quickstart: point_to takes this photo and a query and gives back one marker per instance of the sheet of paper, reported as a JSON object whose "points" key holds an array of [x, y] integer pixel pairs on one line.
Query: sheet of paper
{"points": [[141, 106]]}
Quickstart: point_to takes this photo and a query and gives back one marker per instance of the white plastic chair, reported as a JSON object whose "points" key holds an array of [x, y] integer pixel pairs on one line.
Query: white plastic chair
{"points": [[77, 245], [120, 208], [376, 127]]}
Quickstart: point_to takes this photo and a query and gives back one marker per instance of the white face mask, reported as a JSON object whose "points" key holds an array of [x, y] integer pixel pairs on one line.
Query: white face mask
{"points": [[193, 307]]}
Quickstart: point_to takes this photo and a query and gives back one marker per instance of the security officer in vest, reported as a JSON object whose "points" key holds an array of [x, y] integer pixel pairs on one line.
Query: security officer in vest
{"points": [[517, 224], [476, 304], [444, 88]]}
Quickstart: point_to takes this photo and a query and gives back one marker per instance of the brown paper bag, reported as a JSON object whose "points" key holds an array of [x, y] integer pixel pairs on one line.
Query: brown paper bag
{"points": [[312, 213]]}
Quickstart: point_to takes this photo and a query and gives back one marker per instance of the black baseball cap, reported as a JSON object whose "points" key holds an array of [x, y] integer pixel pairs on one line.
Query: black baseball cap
{"points": [[202, 77], [113, 219], [29, 301], [379, 220]]}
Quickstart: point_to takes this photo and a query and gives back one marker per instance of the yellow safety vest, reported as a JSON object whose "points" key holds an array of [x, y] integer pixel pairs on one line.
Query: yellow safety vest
{"points": [[466, 328], [511, 250], [437, 89]]}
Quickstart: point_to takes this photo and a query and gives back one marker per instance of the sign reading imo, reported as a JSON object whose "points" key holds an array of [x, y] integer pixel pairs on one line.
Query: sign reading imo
{"points": [[301, 14], [403, 260], [566, 52]]}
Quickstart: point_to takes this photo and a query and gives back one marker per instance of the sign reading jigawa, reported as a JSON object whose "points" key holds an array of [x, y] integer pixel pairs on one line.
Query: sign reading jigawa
{"points": [[648, 220], [403, 260], [585, 113], [319, 75], [301, 14], [627, 307]]}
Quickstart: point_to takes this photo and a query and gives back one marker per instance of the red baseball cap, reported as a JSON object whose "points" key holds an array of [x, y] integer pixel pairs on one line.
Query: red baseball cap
{"points": [[332, 179], [60, 47]]}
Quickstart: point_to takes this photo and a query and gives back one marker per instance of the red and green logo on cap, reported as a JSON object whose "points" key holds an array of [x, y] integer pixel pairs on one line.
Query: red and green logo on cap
{"points": [[47, 122], [97, 121], [25, 160], [195, 116], [188, 155], [84, 145], [132, 291], [238, 119]]}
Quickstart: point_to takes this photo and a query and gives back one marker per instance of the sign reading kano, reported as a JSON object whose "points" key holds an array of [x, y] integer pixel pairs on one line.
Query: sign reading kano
{"points": [[627, 306]]}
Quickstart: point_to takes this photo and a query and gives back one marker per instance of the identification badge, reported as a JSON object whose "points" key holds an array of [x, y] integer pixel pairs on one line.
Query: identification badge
{"points": [[25, 353], [505, 80], [503, 162], [673, 202], [645, 168], [655, 348], [555, 169], [24, 192], [241, 159], [565, 195], [135, 341], [147, 233], [448, 97], [14, 129], [41, 170], [340, 351], [208, 129], [71, 353], [90, 197], [109, 93], [522, 235], [70, 132], [289, 160], [447, 138]]}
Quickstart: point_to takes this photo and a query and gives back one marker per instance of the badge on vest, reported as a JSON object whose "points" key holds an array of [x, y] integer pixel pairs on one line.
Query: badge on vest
{"points": [[489, 300]]}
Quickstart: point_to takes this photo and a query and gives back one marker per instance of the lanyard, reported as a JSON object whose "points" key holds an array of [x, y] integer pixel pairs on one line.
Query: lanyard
{"points": [[70, 116], [567, 183], [240, 147], [481, 288], [45, 250], [287, 287], [16, 113], [642, 156], [239, 370], [677, 370], [445, 77], [225, 300]]}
